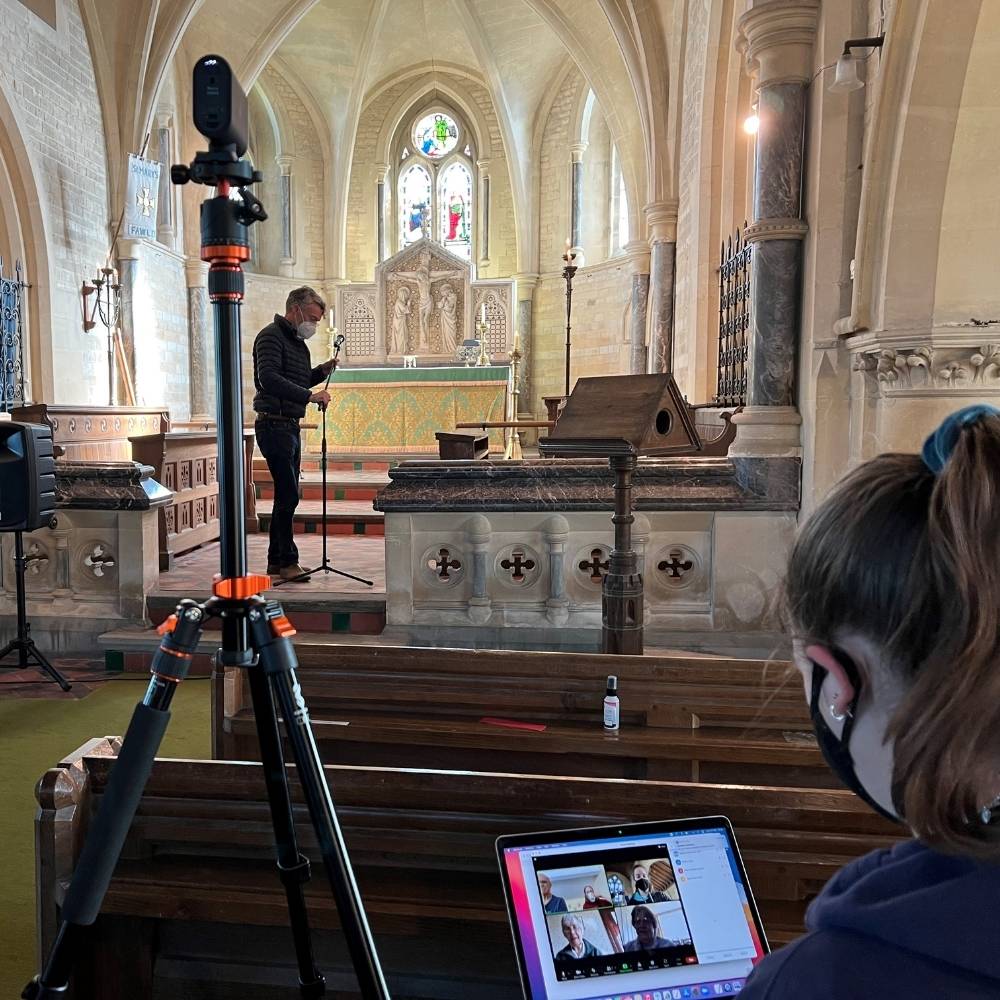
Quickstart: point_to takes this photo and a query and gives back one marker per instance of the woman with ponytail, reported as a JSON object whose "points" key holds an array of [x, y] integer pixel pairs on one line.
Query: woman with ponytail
{"points": [[893, 599]]}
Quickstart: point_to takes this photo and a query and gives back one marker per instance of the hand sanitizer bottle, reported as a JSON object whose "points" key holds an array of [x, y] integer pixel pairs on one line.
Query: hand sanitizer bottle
{"points": [[611, 705]]}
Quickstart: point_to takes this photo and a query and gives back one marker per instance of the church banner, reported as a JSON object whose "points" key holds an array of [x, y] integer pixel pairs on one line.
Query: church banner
{"points": [[140, 197]]}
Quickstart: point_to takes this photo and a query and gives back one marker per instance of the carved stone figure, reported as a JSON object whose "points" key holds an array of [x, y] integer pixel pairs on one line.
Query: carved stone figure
{"points": [[399, 337], [424, 276], [448, 309]]}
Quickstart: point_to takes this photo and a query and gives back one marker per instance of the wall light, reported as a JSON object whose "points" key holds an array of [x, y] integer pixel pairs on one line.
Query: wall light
{"points": [[847, 78], [751, 123]]}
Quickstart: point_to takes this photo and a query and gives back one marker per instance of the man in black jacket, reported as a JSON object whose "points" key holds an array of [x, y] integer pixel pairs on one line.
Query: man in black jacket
{"points": [[283, 377]]}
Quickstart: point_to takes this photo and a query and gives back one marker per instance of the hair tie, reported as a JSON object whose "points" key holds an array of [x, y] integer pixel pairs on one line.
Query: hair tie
{"points": [[939, 446]]}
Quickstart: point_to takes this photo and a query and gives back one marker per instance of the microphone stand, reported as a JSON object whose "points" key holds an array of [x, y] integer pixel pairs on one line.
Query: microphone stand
{"points": [[325, 566]]}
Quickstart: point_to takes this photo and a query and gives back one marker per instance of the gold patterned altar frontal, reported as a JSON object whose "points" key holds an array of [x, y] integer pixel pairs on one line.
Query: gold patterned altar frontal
{"points": [[403, 417]]}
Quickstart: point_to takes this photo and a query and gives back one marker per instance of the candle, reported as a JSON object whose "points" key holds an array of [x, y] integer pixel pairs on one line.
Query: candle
{"points": [[482, 314], [517, 341]]}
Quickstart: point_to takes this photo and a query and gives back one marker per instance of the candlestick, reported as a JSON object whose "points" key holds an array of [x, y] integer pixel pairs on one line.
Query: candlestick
{"points": [[513, 449], [568, 272]]}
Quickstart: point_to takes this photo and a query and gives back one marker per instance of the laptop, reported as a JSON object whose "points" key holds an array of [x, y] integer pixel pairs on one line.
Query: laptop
{"points": [[647, 911]]}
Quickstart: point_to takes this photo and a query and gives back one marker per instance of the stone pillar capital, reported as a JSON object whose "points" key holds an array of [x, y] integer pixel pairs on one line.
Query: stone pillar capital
{"points": [[284, 162], [576, 151], [661, 218], [164, 118], [483, 166], [637, 252], [381, 172], [526, 282], [776, 37], [195, 273], [129, 249]]}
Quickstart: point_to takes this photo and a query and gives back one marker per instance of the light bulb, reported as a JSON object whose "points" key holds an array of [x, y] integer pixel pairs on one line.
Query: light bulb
{"points": [[750, 124], [847, 78]]}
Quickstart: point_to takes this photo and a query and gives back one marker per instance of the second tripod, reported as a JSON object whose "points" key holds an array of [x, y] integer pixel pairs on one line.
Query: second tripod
{"points": [[326, 566]]}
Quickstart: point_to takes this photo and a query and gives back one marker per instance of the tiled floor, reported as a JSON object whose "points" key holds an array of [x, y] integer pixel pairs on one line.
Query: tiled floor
{"points": [[361, 555]]}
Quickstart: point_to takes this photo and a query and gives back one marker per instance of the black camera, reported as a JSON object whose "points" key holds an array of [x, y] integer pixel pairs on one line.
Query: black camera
{"points": [[220, 106]]}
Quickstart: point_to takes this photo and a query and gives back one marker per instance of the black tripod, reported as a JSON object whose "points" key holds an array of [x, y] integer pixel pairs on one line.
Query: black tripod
{"points": [[23, 643], [256, 636], [325, 566]]}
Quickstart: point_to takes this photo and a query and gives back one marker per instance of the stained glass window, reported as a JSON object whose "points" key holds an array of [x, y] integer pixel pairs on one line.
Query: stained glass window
{"points": [[435, 135], [414, 204], [455, 212]]}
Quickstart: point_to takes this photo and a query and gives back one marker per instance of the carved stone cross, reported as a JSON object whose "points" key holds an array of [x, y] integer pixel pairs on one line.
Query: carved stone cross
{"points": [[675, 568], [594, 566], [444, 562], [518, 564]]}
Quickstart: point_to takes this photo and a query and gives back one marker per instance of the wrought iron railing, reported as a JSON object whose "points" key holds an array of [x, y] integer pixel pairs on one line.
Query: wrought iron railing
{"points": [[734, 320], [13, 290]]}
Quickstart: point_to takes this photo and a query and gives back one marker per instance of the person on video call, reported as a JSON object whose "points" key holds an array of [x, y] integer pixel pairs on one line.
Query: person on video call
{"points": [[591, 901], [283, 376], [550, 903], [577, 945], [899, 650], [647, 931], [643, 891]]}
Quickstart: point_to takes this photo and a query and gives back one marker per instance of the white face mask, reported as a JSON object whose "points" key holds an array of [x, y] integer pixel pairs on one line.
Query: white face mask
{"points": [[305, 330]]}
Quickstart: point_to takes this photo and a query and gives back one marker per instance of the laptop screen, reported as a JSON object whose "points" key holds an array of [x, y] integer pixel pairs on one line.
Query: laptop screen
{"points": [[632, 913]]}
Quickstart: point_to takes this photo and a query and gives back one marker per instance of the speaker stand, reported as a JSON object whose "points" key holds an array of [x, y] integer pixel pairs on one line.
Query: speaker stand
{"points": [[23, 644]]}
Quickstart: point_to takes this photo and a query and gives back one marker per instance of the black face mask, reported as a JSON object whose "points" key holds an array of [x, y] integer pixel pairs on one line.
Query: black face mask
{"points": [[836, 752], [642, 884]]}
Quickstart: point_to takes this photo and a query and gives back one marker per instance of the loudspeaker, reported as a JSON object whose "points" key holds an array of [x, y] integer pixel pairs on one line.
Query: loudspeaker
{"points": [[27, 476]]}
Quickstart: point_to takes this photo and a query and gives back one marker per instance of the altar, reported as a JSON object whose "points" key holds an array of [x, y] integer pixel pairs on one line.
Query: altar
{"points": [[398, 410]]}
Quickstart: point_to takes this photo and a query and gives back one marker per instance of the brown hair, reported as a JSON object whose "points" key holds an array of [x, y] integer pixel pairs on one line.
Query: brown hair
{"points": [[303, 296], [911, 561]]}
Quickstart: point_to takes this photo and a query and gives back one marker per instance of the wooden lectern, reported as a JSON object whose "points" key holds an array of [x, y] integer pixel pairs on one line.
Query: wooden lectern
{"points": [[621, 417]]}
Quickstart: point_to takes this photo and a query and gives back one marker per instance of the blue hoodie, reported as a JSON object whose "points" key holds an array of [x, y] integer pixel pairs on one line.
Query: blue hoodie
{"points": [[907, 922]]}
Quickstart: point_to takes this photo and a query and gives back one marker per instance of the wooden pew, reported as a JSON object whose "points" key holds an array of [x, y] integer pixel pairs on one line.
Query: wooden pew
{"points": [[683, 718], [196, 911]]}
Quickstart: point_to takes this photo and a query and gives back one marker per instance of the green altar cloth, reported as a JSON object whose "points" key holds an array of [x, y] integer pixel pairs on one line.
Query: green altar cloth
{"points": [[398, 410]]}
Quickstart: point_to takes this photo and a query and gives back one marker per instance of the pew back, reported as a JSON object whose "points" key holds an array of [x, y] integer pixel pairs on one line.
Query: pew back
{"points": [[686, 718], [197, 903]]}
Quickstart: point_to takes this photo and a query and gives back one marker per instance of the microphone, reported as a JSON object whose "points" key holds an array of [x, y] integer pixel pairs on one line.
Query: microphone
{"points": [[338, 341]]}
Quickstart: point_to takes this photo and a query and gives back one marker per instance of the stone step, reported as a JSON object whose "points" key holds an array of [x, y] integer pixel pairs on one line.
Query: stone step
{"points": [[345, 517], [314, 491], [131, 649]]}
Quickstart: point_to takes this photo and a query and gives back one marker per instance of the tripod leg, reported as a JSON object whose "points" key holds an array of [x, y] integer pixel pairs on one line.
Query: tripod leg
{"points": [[293, 867], [128, 778], [46, 667], [272, 633]]}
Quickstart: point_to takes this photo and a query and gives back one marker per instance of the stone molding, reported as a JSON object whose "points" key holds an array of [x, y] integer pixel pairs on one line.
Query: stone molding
{"points": [[775, 229], [576, 151], [527, 282], [195, 273], [969, 370], [776, 37]]}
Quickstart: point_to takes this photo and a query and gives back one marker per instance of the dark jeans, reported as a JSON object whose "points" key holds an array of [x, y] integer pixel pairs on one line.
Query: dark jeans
{"points": [[280, 445]]}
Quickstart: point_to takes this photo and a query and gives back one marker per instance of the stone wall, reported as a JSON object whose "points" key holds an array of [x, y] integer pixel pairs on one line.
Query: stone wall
{"points": [[162, 350], [554, 183], [47, 77], [601, 299]]}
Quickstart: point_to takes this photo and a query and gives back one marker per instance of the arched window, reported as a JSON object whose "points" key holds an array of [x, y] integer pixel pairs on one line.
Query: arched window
{"points": [[619, 205], [436, 186], [414, 204]]}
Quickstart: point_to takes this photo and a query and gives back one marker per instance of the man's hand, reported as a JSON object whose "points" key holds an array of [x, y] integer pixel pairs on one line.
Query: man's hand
{"points": [[321, 398], [328, 366]]}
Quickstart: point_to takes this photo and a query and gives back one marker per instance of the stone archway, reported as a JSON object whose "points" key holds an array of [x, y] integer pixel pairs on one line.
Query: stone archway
{"points": [[23, 236]]}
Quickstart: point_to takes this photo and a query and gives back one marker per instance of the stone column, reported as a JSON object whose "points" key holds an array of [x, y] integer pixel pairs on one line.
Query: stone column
{"points": [[576, 150], [287, 262], [523, 322], [478, 532], [380, 176], [777, 37], [556, 534], [128, 274], [201, 353], [484, 188], [661, 218], [165, 207], [639, 259]]}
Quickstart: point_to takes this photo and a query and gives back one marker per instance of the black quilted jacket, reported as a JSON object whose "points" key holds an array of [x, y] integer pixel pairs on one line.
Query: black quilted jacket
{"points": [[282, 372]]}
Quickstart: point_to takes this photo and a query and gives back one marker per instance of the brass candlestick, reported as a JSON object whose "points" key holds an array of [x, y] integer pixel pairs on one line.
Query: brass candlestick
{"points": [[484, 358], [568, 273], [513, 449]]}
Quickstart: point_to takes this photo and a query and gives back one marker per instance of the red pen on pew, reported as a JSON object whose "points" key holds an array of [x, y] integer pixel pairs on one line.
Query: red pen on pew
{"points": [[535, 727]]}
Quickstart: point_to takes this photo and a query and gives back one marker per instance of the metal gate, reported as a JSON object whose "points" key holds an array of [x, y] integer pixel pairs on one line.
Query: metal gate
{"points": [[12, 298], [734, 320]]}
